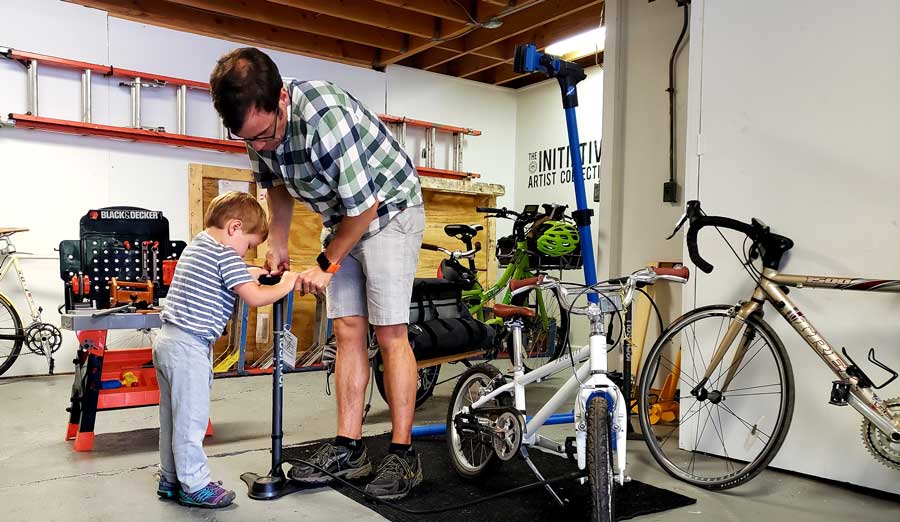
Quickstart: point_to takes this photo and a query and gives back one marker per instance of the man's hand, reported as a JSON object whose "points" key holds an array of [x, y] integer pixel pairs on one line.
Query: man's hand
{"points": [[256, 271], [277, 259], [313, 281]]}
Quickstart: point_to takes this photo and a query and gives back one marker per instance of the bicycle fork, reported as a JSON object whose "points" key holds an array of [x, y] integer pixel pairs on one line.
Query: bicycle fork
{"points": [[599, 383]]}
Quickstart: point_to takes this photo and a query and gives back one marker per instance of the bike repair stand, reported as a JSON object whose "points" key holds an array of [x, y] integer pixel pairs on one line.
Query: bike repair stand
{"points": [[275, 484], [528, 59]]}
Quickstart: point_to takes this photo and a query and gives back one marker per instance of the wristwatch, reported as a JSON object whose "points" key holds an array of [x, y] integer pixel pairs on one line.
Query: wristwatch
{"points": [[326, 265]]}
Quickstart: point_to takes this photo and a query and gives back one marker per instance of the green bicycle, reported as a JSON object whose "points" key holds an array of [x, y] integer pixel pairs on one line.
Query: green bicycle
{"points": [[540, 241]]}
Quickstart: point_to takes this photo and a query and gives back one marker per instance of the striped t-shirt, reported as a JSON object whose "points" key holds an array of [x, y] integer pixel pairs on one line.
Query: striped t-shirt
{"points": [[201, 297]]}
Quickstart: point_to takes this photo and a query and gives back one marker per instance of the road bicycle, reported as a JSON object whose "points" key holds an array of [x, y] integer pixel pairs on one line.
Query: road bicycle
{"points": [[486, 420], [38, 337], [727, 395]]}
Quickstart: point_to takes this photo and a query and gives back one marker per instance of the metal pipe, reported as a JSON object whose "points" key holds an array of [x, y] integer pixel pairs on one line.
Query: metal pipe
{"points": [[136, 103], [181, 102], [430, 135], [458, 151], [32, 105], [86, 96]]}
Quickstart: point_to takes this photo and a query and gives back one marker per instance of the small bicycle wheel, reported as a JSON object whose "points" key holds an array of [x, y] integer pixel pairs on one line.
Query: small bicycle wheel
{"points": [[544, 334], [426, 380], [600, 461], [10, 325], [720, 432], [139, 338], [472, 454]]}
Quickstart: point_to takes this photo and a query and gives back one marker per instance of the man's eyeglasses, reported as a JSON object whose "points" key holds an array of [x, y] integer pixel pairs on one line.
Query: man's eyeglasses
{"points": [[267, 137]]}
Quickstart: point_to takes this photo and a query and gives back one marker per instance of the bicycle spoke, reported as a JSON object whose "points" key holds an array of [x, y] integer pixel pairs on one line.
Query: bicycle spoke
{"points": [[751, 427]]}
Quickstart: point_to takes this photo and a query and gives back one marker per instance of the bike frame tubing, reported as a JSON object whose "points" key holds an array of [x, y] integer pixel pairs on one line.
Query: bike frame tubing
{"points": [[587, 242], [867, 402], [13, 261]]}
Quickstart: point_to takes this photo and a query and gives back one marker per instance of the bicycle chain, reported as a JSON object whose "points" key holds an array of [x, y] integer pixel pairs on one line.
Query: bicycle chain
{"points": [[879, 444]]}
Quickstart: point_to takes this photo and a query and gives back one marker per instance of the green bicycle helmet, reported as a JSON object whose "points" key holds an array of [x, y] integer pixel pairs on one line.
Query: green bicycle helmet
{"points": [[558, 239]]}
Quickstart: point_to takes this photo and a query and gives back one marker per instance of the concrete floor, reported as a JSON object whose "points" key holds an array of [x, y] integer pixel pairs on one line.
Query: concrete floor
{"points": [[43, 479]]}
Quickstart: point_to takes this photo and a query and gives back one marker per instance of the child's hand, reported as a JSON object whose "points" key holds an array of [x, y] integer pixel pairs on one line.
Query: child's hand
{"points": [[256, 271], [290, 277]]}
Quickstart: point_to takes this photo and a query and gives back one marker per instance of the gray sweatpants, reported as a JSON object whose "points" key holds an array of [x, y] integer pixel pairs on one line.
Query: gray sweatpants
{"points": [[184, 371]]}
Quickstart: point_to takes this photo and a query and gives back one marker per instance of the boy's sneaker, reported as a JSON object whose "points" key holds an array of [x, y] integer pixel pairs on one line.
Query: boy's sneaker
{"points": [[396, 476], [211, 496], [166, 489], [338, 460]]}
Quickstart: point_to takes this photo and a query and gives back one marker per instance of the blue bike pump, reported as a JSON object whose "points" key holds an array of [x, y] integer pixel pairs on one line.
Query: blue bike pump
{"points": [[568, 74]]}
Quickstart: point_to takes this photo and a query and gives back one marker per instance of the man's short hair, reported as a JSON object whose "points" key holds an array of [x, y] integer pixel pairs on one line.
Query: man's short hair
{"points": [[241, 80], [238, 205]]}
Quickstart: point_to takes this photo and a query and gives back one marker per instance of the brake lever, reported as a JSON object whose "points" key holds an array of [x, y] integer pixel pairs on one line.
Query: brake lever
{"points": [[680, 224], [691, 212]]}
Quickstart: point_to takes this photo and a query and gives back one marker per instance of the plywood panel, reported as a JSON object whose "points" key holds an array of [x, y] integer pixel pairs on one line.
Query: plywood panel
{"points": [[445, 202]]}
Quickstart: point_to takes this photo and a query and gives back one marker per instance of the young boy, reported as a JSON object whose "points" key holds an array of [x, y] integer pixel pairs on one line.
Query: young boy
{"points": [[199, 303]]}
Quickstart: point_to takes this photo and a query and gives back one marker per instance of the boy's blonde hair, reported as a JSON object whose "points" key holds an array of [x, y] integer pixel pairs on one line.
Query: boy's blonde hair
{"points": [[238, 205]]}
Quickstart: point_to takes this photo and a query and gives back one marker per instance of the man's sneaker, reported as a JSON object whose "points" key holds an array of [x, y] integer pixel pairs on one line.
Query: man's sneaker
{"points": [[396, 477], [166, 489], [211, 496], [338, 460]]}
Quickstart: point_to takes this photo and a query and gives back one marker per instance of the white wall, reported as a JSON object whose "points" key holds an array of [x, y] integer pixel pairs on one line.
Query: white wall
{"points": [[51, 180], [794, 118], [452, 101], [640, 39]]}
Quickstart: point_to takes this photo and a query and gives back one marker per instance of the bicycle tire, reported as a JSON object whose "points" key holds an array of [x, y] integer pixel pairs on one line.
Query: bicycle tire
{"points": [[735, 453], [599, 461], [483, 375], [427, 379], [543, 343], [11, 324]]}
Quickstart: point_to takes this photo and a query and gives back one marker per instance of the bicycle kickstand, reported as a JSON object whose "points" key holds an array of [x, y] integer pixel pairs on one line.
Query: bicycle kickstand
{"points": [[524, 451]]}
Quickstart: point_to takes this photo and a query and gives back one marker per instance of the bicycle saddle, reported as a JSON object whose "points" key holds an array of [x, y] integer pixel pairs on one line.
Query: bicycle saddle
{"points": [[504, 311], [461, 231], [10, 231]]}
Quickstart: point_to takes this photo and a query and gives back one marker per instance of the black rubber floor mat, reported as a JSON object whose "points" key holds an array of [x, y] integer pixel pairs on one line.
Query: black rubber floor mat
{"points": [[443, 488]]}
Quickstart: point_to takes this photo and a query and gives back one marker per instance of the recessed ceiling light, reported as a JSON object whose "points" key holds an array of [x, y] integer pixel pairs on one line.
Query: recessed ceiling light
{"points": [[583, 44], [493, 23]]}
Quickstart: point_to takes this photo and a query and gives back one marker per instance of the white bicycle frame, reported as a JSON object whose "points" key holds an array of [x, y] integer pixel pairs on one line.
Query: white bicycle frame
{"points": [[12, 261], [589, 379]]}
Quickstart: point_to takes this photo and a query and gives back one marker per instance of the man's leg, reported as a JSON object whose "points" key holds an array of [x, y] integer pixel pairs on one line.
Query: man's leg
{"points": [[400, 378], [347, 456], [351, 373]]}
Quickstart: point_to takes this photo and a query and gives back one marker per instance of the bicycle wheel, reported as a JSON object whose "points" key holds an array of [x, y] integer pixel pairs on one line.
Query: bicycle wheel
{"points": [[426, 380], [10, 325], [720, 433], [472, 454], [600, 462], [544, 334], [140, 338]]}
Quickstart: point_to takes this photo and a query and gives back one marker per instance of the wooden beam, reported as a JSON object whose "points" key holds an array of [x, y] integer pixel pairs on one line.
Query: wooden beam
{"points": [[529, 19], [377, 15], [449, 37], [471, 64], [300, 20], [540, 37], [446, 9], [165, 14]]}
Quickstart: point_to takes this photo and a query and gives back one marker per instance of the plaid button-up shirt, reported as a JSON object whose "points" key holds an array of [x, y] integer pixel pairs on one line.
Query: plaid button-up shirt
{"points": [[338, 158]]}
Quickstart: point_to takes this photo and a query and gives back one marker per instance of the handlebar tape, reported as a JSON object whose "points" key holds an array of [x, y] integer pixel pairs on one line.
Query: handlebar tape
{"points": [[712, 221]]}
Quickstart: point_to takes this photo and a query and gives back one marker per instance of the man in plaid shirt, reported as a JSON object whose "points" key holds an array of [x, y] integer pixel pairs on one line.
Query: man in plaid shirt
{"points": [[312, 141]]}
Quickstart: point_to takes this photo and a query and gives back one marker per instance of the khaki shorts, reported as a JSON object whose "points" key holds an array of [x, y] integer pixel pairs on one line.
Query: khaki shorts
{"points": [[376, 279]]}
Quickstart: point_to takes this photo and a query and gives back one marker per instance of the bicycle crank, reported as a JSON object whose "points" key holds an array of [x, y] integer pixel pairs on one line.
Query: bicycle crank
{"points": [[880, 445], [40, 337]]}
